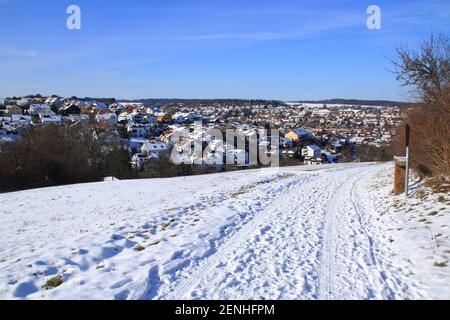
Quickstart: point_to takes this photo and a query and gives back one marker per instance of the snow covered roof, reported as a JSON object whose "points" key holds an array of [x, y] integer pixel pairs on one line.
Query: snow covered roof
{"points": [[106, 117], [314, 147], [301, 132]]}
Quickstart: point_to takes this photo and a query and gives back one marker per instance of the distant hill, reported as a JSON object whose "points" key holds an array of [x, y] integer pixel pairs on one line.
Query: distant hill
{"points": [[358, 102], [208, 101]]}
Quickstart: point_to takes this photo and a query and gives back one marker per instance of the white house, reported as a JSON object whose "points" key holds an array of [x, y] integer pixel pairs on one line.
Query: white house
{"points": [[180, 117], [50, 119], [54, 102], [123, 117], [154, 147], [44, 109], [5, 101], [139, 130], [106, 118], [99, 106], [312, 154], [115, 107], [311, 151], [135, 117], [25, 101], [20, 119], [138, 160], [136, 130]]}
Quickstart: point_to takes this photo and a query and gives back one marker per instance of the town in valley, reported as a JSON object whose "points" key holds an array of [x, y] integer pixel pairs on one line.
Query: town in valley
{"points": [[309, 133]]}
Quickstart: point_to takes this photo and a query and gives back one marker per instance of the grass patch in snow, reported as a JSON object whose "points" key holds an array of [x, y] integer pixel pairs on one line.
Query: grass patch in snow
{"points": [[440, 264], [139, 248], [167, 224], [238, 193], [54, 282], [100, 266]]}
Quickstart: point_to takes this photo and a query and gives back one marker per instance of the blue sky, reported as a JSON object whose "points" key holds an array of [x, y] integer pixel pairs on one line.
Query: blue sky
{"points": [[209, 48]]}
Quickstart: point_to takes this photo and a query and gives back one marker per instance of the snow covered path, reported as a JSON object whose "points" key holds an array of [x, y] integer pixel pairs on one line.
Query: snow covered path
{"points": [[289, 233], [311, 243]]}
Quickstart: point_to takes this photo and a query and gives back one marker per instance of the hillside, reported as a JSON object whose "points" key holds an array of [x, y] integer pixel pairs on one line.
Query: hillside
{"points": [[324, 232]]}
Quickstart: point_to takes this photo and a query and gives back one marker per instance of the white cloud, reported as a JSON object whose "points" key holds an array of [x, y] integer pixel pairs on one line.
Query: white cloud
{"points": [[306, 28]]}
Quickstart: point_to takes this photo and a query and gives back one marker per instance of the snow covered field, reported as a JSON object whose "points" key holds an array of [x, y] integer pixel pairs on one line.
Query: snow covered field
{"points": [[324, 232]]}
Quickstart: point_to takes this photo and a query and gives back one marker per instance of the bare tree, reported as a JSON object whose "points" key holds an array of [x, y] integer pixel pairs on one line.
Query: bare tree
{"points": [[427, 71]]}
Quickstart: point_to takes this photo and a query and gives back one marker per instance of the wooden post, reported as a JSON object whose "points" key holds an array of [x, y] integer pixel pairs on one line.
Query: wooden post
{"points": [[399, 175], [407, 134]]}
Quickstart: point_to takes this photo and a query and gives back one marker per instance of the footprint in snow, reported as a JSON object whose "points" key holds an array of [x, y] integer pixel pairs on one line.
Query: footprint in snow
{"points": [[25, 289]]}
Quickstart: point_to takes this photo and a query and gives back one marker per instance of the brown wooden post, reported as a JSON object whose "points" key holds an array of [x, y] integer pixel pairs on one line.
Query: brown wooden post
{"points": [[399, 174], [407, 134]]}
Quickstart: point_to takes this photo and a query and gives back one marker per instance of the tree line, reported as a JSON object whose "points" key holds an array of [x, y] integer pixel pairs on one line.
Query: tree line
{"points": [[53, 155]]}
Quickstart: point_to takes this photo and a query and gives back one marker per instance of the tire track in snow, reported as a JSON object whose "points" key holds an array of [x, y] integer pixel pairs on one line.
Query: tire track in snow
{"points": [[361, 211], [327, 273], [350, 266]]}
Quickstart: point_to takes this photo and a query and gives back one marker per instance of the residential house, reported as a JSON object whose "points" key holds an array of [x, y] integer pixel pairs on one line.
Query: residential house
{"points": [[116, 108], [13, 109], [50, 119], [97, 106], [298, 134], [286, 143], [151, 119], [312, 154], [138, 160], [36, 109], [106, 119], [70, 108], [21, 120], [55, 103], [83, 105], [135, 144], [162, 116], [183, 117], [76, 118], [5, 102], [106, 136], [139, 130], [25, 102], [154, 147]]}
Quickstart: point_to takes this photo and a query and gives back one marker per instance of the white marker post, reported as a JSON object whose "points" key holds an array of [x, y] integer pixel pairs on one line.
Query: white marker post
{"points": [[407, 134]]}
